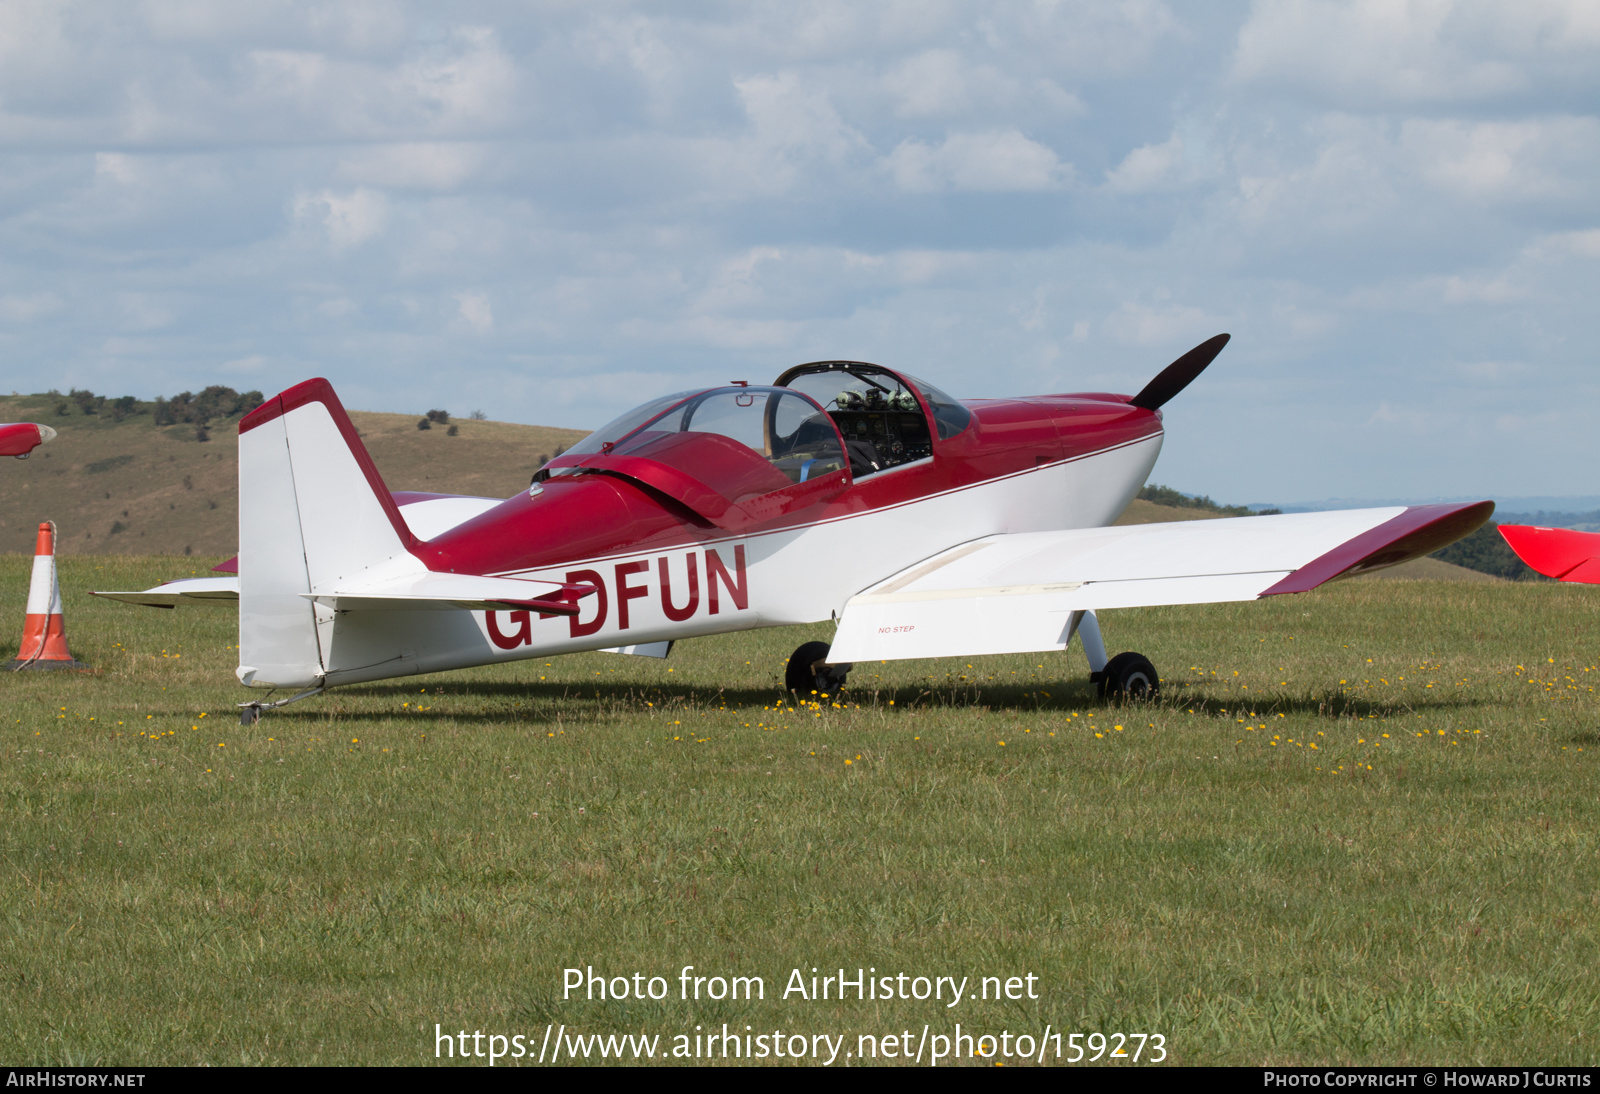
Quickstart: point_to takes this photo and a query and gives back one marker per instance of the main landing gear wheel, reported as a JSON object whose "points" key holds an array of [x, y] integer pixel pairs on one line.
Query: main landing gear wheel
{"points": [[809, 671], [1128, 676]]}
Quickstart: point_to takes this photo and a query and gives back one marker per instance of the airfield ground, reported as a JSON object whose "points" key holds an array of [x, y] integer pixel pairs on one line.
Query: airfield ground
{"points": [[1360, 827]]}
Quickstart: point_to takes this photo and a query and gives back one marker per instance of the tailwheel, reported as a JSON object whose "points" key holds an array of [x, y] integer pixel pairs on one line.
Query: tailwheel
{"points": [[250, 715], [809, 671], [1128, 676]]}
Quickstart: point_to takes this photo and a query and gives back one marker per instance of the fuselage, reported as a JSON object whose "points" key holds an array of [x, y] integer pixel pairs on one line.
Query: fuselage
{"points": [[669, 557]]}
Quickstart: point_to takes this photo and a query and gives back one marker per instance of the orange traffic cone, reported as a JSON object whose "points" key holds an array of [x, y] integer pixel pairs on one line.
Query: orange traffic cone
{"points": [[44, 634]]}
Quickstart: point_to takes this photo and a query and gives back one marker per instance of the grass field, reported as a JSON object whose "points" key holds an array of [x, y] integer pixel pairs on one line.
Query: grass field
{"points": [[1360, 827]]}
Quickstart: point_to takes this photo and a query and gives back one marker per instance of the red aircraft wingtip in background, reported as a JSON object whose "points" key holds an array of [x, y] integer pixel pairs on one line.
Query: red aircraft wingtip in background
{"points": [[1561, 553], [21, 438]]}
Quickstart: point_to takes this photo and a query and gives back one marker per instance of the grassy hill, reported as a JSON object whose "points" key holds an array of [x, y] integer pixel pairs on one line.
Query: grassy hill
{"points": [[1167, 497], [117, 482]]}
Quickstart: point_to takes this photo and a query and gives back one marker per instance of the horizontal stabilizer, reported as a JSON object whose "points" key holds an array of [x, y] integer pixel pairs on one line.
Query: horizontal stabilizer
{"points": [[1017, 593], [215, 591], [455, 592], [1557, 552]]}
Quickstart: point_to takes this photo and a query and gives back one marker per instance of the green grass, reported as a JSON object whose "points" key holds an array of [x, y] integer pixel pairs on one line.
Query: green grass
{"points": [[1422, 886]]}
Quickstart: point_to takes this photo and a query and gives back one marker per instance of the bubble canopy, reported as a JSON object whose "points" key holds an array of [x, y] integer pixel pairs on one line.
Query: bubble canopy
{"points": [[819, 418], [786, 428]]}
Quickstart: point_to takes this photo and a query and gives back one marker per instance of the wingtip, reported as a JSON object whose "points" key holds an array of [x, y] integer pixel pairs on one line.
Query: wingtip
{"points": [[1416, 532], [1565, 554]]}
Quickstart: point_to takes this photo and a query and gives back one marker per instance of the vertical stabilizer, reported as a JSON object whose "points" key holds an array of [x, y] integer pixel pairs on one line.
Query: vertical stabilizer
{"points": [[312, 511]]}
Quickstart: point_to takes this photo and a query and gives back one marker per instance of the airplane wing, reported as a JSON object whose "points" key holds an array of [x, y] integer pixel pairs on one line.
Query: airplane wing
{"points": [[216, 591], [1561, 553], [422, 592], [1016, 593]]}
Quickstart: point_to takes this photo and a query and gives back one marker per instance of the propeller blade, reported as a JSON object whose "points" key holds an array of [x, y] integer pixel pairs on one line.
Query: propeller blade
{"points": [[1178, 375]]}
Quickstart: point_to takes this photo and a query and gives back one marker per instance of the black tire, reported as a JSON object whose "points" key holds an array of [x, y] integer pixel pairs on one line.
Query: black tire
{"points": [[249, 716], [1129, 676], [802, 678]]}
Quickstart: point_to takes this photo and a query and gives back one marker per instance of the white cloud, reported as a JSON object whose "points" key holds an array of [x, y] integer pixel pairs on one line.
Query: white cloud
{"points": [[1168, 325], [1371, 52], [1470, 290], [1530, 160], [793, 127], [1495, 372], [473, 309], [946, 84], [468, 88], [995, 162], [1406, 418], [1585, 244], [21, 309], [1149, 167], [145, 311], [244, 366], [421, 165], [349, 219], [116, 166], [464, 88]]}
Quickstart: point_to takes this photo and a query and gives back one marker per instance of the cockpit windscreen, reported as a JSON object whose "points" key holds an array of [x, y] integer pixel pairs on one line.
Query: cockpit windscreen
{"points": [[790, 431]]}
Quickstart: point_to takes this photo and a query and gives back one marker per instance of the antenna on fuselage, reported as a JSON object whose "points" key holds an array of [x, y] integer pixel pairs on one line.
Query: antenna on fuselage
{"points": [[1178, 375]]}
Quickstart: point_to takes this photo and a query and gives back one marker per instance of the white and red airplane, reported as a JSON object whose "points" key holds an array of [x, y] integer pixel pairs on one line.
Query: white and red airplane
{"points": [[924, 526], [19, 439], [1562, 553]]}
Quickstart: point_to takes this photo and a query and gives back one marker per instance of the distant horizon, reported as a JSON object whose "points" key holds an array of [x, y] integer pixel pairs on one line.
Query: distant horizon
{"points": [[1571, 504]]}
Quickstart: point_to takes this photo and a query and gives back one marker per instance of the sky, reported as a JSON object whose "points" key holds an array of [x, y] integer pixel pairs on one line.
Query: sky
{"points": [[551, 212]]}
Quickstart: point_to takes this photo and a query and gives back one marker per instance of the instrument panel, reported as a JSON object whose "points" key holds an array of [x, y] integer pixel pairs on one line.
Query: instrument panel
{"points": [[899, 436]]}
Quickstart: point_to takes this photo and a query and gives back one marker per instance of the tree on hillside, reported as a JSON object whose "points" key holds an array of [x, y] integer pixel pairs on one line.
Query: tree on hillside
{"points": [[1166, 495], [1485, 551], [215, 401], [87, 401]]}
